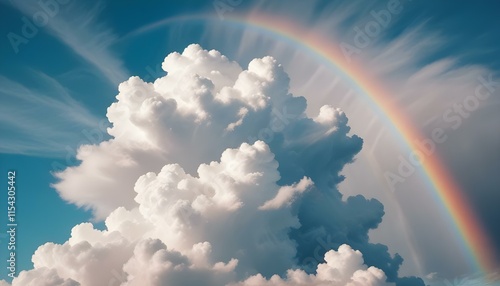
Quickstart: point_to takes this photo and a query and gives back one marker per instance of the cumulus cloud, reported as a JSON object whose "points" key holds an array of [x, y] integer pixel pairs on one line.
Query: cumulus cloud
{"points": [[216, 176], [341, 268], [41, 277], [185, 117]]}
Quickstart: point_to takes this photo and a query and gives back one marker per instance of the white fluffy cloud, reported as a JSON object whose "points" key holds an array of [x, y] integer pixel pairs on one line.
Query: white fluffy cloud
{"points": [[204, 105], [216, 176], [40, 277], [231, 220], [341, 268]]}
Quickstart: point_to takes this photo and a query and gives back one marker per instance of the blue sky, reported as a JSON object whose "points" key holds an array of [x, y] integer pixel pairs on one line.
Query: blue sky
{"points": [[55, 91]]}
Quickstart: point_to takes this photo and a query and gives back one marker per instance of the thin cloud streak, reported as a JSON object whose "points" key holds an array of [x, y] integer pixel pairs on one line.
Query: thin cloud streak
{"points": [[41, 123], [85, 36]]}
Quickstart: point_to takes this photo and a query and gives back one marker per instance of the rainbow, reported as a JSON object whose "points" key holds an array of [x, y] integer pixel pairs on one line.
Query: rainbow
{"points": [[469, 228]]}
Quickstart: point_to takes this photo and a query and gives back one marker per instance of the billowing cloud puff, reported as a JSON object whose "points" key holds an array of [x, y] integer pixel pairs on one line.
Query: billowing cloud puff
{"points": [[41, 277], [216, 176], [341, 268], [204, 105]]}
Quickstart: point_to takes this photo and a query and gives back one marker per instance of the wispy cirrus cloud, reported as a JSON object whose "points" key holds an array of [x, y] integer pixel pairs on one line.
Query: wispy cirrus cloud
{"points": [[43, 120], [79, 29]]}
